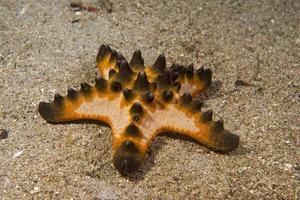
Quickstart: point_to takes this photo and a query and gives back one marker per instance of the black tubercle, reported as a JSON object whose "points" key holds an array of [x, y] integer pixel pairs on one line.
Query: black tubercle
{"points": [[190, 71], [132, 130], [104, 49], [85, 88], [168, 95], [204, 75], [124, 67], [127, 93], [186, 98], [148, 97], [72, 94], [114, 53], [116, 86], [196, 105], [58, 100], [160, 64], [100, 84], [137, 60], [218, 126], [111, 72], [141, 83], [137, 108], [120, 57], [101, 49], [207, 116]]}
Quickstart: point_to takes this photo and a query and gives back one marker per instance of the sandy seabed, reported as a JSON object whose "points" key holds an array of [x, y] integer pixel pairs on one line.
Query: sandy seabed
{"points": [[47, 46]]}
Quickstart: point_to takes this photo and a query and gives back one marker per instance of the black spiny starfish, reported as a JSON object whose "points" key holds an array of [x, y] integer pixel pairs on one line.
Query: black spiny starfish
{"points": [[138, 103]]}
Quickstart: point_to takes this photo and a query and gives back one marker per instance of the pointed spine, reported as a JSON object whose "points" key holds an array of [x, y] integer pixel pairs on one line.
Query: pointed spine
{"points": [[196, 105], [186, 99], [58, 100], [132, 130], [85, 89], [207, 116], [128, 94], [219, 127], [204, 75], [125, 72], [137, 108], [103, 50], [167, 95], [160, 64], [189, 71], [148, 97], [72, 94], [141, 83], [137, 60], [116, 86], [100, 84]]}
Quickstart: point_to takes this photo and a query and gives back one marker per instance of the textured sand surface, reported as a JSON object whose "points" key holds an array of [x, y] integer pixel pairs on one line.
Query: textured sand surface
{"points": [[42, 53]]}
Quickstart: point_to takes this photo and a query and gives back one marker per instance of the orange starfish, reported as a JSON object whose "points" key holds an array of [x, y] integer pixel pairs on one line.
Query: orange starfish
{"points": [[140, 102]]}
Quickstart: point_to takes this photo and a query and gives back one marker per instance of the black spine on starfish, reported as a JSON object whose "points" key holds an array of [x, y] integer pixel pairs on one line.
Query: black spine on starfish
{"points": [[104, 49], [141, 83], [72, 94], [160, 64], [137, 62], [128, 94], [100, 84], [205, 75], [125, 73], [143, 96]]}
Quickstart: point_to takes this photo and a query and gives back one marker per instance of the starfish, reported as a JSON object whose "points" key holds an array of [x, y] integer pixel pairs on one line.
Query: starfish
{"points": [[139, 102]]}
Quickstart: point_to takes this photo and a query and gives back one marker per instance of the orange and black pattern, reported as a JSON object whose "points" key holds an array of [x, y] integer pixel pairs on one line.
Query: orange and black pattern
{"points": [[139, 102]]}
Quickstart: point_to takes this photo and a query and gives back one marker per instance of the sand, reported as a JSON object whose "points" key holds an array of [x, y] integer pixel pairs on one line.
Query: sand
{"points": [[47, 46]]}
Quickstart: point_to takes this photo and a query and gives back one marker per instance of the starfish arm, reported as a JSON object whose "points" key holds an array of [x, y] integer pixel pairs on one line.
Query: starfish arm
{"points": [[187, 119], [90, 103]]}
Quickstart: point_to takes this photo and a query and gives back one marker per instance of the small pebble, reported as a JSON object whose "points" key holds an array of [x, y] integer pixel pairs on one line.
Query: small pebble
{"points": [[287, 142], [17, 154], [3, 134], [288, 166], [35, 190]]}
